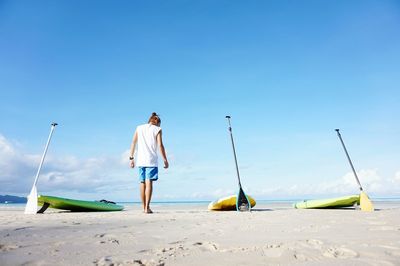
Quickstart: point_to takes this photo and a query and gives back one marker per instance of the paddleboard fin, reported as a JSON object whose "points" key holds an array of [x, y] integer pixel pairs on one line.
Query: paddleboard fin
{"points": [[44, 207]]}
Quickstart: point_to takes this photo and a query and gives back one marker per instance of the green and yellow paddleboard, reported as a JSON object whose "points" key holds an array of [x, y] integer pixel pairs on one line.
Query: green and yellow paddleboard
{"points": [[76, 205], [341, 202]]}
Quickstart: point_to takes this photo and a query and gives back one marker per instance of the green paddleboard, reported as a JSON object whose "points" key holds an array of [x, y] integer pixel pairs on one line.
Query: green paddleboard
{"points": [[341, 202], [76, 205]]}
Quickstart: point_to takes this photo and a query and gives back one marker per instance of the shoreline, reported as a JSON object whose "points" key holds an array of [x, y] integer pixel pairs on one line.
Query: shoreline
{"points": [[261, 204]]}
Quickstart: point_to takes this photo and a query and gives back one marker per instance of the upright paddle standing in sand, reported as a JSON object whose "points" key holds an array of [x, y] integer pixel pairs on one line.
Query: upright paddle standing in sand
{"points": [[32, 204], [242, 202], [365, 202]]}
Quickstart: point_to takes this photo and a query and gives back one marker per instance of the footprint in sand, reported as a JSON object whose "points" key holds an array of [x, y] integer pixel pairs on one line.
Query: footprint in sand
{"points": [[104, 261], [311, 244], [107, 238], [8, 247], [314, 243], [144, 263], [180, 249], [273, 251], [174, 251], [300, 257], [340, 253], [208, 246], [108, 261], [306, 250]]}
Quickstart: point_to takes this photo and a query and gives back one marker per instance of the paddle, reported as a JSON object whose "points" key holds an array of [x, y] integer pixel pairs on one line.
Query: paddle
{"points": [[365, 202], [32, 204], [242, 202]]}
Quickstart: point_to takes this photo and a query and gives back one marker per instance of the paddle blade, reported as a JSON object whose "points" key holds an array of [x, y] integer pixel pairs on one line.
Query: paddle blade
{"points": [[366, 203], [32, 204], [242, 202]]}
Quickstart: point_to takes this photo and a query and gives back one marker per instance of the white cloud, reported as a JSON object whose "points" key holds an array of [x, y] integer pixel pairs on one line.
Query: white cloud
{"points": [[374, 184], [61, 173], [396, 178], [6, 148], [13, 165], [371, 181]]}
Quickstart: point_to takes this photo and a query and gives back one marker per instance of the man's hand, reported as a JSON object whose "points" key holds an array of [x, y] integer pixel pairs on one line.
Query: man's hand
{"points": [[166, 164], [132, 163]]}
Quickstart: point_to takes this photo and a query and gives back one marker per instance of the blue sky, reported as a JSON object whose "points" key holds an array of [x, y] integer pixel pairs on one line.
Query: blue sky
{"points": [[288, 72]]}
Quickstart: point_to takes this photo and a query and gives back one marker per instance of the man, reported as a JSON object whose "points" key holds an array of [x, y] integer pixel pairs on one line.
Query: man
{"points": [[147, 137]]}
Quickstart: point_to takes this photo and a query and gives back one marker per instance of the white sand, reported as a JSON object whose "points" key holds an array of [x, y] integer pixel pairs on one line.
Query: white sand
{"points": [[190, 235]]}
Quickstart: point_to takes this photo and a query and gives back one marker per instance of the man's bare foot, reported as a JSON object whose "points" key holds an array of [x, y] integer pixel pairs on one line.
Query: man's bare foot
{"points": [[148, 211]]}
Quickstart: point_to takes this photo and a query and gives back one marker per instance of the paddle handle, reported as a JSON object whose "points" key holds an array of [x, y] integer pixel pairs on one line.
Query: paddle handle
{"points": [[348, 158], [53, 126], [234, 151]]}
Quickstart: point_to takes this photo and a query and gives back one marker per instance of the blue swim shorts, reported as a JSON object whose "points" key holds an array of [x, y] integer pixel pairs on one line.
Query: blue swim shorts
{"points": [[150, 173]]}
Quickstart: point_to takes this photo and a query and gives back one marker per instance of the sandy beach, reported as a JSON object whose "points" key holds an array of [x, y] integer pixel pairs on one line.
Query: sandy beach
{"points": [[179, 234]]}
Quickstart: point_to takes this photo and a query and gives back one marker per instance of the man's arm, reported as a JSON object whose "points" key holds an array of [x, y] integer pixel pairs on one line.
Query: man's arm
{"points": [[132, 151], [162, 149]]}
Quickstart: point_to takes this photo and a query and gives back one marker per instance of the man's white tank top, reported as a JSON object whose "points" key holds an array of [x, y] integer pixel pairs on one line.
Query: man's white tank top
{"points": [[147, 145]]}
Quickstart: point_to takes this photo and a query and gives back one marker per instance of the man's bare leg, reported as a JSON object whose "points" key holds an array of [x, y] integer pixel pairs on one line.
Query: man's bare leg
{"points": [[143, 195], [148, 193]]}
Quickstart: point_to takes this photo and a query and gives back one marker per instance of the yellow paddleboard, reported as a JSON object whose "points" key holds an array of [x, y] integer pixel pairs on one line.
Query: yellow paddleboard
{"points": [[227, 204]]}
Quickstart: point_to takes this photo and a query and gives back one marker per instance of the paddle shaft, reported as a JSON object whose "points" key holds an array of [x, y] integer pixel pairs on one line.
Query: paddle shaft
{"points": [[53, 126], [348, 158], [234, 152]]}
